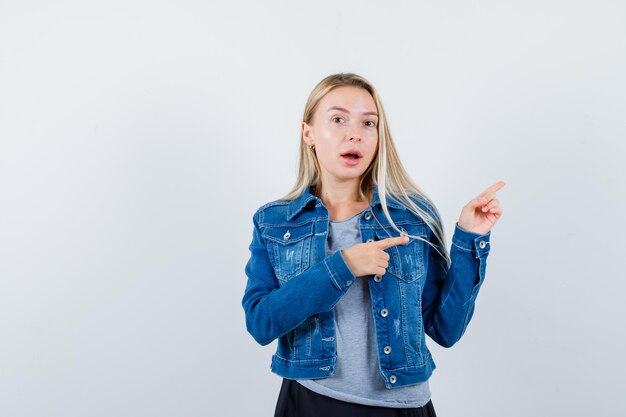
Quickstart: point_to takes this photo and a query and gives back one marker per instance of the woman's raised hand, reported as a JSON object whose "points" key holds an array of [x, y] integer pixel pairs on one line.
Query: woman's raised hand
{"points": [[371, 258], [482, 212]]}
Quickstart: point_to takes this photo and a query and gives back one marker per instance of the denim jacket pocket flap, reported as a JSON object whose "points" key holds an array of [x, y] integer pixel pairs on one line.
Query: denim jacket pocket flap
{"points": [[286, 235], [290, 246], [406, 262]]}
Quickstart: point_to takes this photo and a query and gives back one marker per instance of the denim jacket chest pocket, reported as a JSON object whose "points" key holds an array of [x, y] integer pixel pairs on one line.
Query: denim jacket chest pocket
{"points": [[290, 247], [406, 262]]}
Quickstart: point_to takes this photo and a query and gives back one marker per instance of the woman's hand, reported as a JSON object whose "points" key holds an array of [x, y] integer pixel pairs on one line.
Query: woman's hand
{"points": [[371, 258], [480, 214]]}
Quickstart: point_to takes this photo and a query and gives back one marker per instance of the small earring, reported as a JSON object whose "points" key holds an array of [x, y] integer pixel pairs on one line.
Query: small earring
{"points": [[312, 146]]}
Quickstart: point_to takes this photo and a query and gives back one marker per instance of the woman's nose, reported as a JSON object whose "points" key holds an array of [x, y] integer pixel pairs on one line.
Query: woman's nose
{"points": [[354, 135]]}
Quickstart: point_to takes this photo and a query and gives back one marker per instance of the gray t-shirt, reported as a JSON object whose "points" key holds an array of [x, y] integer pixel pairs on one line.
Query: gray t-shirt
{"points": [[357, 378]]}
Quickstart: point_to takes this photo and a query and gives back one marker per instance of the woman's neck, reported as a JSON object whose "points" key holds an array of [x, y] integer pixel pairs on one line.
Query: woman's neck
{"points": [[342, 201]]}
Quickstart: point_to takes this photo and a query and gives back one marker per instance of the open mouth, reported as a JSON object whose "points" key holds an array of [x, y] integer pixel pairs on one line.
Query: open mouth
{"points": [[352, 154], [351, 157]]}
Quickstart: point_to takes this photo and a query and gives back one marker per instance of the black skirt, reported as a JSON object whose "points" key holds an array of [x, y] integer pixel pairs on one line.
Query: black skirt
{"points": [[296, 400]]}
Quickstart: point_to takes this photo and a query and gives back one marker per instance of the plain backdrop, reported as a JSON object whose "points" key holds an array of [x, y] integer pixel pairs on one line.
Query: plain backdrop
{"points": [[137, 138]]}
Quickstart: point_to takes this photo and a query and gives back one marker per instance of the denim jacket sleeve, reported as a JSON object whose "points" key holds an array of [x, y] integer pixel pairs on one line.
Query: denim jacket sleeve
{"points": [[450, 292], [272, 310]]}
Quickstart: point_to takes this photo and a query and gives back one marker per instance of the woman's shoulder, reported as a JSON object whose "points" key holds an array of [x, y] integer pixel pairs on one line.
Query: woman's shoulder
{"points": [[273, 203], [425, 204], [274, 209], [422, 201]]}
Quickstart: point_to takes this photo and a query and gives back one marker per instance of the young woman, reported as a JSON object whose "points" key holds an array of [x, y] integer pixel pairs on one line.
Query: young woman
{"points": [[349, 271]]}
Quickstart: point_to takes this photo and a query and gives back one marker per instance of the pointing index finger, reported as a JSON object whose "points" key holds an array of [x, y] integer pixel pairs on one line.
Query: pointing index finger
{"points": [[391, 241], [493, 188]]}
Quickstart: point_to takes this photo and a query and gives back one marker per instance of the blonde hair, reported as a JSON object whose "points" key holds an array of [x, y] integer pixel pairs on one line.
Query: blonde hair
{"points": [[386, 170]]}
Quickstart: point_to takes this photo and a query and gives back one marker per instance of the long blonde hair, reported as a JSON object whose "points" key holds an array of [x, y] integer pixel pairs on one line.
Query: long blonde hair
{"points": [[386, 170]]}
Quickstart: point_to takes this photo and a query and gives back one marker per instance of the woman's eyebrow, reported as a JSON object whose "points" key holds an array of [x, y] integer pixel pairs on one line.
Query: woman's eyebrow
{"points": [[367, 113]]}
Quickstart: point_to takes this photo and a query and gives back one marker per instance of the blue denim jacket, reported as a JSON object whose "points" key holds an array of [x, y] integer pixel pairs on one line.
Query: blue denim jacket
{"points": [[292, 288]]}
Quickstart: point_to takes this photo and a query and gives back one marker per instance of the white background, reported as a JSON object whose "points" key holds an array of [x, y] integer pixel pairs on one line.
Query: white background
{"points": [[137, 138]]}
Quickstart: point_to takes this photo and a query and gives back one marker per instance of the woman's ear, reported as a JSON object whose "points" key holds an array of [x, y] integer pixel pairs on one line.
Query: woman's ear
{"points": [[306, 134]]}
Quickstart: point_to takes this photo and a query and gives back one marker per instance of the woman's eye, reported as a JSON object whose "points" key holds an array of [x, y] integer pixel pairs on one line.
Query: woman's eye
{"points": [[337, 118], [370, 123]]}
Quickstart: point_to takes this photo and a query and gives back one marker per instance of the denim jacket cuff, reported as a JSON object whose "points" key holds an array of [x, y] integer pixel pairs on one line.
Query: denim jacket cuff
{"points": [[340, 274], [472, 242]]}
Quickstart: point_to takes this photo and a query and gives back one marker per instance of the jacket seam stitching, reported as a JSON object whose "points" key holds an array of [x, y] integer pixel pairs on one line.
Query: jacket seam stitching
{"points": [[332, 275]]}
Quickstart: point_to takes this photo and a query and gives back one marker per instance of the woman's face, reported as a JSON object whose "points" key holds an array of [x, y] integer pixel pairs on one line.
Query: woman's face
{"points": [[344, 121]]}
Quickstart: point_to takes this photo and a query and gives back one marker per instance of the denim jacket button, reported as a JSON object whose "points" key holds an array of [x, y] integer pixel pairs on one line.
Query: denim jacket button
{"points": [[378, 278], [370, 240], [387, 350], [482, 244], [287, 235], [368, 216], [392, 379], [349, 282], [384, 312]]}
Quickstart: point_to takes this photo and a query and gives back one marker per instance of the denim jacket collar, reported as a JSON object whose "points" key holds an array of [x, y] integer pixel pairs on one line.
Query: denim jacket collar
{"points": [[301, 202]]}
